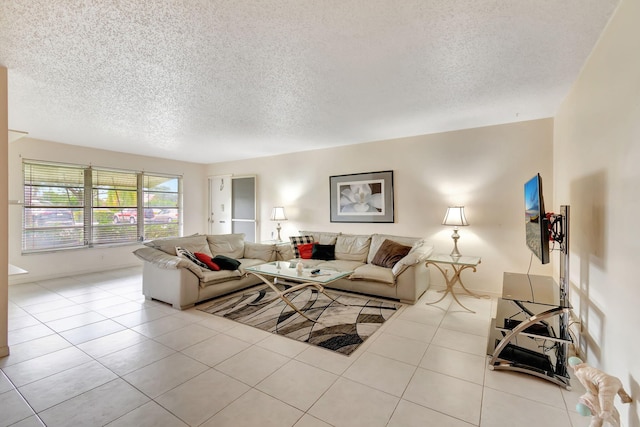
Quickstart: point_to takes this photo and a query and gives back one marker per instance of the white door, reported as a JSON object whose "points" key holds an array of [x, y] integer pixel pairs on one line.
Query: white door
{"points": [[220, 204]]}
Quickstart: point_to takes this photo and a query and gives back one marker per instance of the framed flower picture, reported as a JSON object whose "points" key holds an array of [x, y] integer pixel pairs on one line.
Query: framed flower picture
{"points": [[362, 197]]}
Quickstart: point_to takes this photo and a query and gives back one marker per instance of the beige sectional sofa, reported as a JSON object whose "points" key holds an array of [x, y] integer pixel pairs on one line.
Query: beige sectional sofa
{"points": [[180, 282]]}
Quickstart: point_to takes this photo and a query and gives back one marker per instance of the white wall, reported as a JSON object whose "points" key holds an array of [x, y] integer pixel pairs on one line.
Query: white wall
{"points": [[484, 169], [597, 172], [4, 205], [64, 263]]}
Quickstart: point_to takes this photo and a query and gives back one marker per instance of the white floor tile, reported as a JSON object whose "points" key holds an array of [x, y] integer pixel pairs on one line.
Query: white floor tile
{"points": [[198, 399], [498, 406], [111, 343], [161, 376], [29, 333], [297, 384], [95, 407], [92, 331], [409, 329], [161, 326], [75, 321], [527, 386], [309, 421], [50, 391], [216, 349], [282, 345], [255, 409], [461, 341], [144, 315], [399, 348], [22, 322], [185, 337], [409, 414], [424, 314], [379, 372], [40, 367], [34, 348], [326, 359], [464, 321], [455, 363], [252, 365], [248, 333], [451, 396], [13, 408], [137, 356], [148, 415], [60, 313], [351, 404]]}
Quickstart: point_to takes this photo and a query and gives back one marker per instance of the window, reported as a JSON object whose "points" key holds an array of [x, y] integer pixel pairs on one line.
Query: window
{"points": [[71, 206]]}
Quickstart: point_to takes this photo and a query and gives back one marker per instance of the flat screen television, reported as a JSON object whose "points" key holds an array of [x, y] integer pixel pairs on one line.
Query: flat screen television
{"points": [[536, 223]]}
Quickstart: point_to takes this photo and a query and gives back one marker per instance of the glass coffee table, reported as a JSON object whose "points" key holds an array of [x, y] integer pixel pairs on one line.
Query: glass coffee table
{"points": [[287, 271]]}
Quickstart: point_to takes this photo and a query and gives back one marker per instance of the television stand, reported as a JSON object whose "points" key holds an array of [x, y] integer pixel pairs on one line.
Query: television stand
{"points": [[530, 332]]}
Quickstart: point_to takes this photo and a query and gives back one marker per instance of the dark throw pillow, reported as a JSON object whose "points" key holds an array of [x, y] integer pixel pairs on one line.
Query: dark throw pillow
{"points": [[202, 257], [389, 253], [299, 240], [306, 250], [226, 263], [323, 252]]}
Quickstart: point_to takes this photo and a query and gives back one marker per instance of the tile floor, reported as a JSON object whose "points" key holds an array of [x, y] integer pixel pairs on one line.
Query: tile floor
{"points": [[89, 350]]}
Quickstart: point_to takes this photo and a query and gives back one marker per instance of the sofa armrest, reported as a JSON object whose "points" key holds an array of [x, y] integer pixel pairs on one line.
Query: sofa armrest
{"points": [[417, 255], [169, 262]]}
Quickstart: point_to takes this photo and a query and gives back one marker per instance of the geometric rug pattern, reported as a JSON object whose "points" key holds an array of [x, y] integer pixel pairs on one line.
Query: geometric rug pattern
{"points": [[339, 326]]}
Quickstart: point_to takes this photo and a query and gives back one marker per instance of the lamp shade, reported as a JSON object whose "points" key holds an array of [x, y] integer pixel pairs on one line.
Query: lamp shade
{"points": [[277, 214], [455, 216]]}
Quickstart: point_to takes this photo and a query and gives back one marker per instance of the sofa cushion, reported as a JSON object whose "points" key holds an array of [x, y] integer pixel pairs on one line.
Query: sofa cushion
{"points": [[353, 247], [374, 273], [338, 265], [197, 243], [390, 253], [265, 252], [306, 250], [378, 239], [322, 237], [206, 259], [231, 245], [184, 253], [299, 240], [214, 277], [226, 263], [323, 252]]}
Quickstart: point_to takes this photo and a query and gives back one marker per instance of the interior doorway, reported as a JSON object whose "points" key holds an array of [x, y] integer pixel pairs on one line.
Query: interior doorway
{"points": [[232, 205]]}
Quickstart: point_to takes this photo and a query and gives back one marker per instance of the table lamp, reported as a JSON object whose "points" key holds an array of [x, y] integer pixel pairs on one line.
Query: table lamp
{"points": [[277, 214], [455, 216]]}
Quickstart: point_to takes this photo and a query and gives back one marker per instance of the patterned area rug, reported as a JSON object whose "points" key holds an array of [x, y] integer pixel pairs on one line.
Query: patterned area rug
{"points": [[340, 326]]}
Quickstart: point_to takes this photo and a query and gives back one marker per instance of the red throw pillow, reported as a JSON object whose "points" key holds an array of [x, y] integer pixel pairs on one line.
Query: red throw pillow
{"points": [[207, 260], [306, 249]]}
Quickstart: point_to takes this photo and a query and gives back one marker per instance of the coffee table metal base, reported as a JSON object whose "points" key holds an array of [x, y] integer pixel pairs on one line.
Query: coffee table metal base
{"points": [[282, 294]]}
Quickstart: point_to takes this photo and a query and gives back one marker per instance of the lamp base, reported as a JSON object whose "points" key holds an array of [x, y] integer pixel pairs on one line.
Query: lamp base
{"points": [[279, 228], [455, 236]]}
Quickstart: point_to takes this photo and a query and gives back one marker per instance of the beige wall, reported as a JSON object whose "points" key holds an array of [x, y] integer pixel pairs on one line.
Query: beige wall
{"points": [[597, 172], [4, 205], [484, 169], [64, 263]]}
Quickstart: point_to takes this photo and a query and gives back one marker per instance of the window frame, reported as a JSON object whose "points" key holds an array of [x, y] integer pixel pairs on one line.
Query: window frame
{"points": [[89, 229]]}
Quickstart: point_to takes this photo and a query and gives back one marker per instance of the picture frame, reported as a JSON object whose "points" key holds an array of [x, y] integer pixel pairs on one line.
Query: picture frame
{"points": [[362, 197]]}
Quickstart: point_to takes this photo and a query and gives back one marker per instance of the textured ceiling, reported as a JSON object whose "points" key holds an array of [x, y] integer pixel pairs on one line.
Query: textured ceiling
{"points": [[216, 80]]}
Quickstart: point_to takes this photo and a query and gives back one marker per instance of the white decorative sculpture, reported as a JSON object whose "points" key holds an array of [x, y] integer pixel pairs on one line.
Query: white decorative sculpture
{"points": [[601, 390]]}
